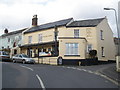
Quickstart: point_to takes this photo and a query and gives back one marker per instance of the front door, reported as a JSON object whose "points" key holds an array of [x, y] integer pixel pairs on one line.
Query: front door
{"points": [[29, 52]]}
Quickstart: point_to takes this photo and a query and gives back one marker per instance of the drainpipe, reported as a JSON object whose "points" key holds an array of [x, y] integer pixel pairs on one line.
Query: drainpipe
{"points": [[56, 34]]}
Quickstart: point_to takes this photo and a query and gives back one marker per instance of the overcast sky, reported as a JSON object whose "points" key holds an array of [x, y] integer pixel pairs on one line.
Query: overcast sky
{"points": [[17, 14]]}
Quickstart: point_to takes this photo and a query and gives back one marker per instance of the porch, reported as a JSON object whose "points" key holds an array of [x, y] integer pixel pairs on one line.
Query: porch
{"points": [[46, 49]]}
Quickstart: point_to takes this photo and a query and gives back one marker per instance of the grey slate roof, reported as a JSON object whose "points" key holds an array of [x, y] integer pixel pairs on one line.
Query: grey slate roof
{"points": [[49, 25], [14, 32], [85, 23]]}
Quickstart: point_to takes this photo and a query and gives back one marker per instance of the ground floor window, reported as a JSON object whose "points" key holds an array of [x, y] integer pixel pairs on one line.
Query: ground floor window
{"points": [[71, 48], [102, 51], [89, 47]]}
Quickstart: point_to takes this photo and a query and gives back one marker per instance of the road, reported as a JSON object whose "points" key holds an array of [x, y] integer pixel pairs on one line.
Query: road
{"points": [[17, 75]]}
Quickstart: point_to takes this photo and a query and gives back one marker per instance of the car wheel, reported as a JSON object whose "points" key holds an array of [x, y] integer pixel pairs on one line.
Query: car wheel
{"points": [[23, 62], [14, 61]]}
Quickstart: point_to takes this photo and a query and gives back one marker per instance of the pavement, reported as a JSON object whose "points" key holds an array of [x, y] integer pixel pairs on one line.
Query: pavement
{"points": [[111, 73]]}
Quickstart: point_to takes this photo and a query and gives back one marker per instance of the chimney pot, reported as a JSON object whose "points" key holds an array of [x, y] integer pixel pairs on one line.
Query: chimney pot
{"points": [[6, 31]]}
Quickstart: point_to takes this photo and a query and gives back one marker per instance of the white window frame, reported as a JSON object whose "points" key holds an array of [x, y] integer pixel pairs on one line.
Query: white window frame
{"points": [[29, 39], [72, 49], [101, 35], [76, 33], [8, 40], [40, 38], [103, 51], [89, 47]]}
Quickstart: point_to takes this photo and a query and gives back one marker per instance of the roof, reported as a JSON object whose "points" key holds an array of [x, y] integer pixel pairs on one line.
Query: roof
{"points": [[14, 32], [85, 23], [37, 44], [49, 25]]}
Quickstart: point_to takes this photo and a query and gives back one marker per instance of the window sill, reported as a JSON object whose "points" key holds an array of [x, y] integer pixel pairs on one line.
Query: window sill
{"points": [[72, 55]]}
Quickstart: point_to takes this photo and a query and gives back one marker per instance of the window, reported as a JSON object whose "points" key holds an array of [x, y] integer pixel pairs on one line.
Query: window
{"points": [[19, 38], [76, 33], [8, 39], [102, 51], [101, 35], [71, 48], [89, 47], [30, 39], [40, 38], [49, 49]]}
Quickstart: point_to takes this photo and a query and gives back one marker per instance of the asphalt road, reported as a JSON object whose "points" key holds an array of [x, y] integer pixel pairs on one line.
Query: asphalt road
{"points": [[17, 75]]}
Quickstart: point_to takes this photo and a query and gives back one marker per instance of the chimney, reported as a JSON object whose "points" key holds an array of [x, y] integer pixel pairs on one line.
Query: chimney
{"points": [[6, 31], [34, 20]]}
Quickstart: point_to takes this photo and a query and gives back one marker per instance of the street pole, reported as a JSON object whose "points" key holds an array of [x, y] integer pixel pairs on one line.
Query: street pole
{"points": [[56, 34], [117, 28]]}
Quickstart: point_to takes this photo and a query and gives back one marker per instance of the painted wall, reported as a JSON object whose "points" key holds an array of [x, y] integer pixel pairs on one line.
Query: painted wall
{"points": [[12, 38], [92, 35], [107, 43], [47, 36], [81, 48]]}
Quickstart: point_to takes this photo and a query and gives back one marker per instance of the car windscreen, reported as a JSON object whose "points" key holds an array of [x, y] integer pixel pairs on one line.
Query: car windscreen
{"points": [[25, 56]]}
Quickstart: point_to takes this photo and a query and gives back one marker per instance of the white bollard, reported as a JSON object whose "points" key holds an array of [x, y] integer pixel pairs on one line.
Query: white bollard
{"points": [[118, 63]]}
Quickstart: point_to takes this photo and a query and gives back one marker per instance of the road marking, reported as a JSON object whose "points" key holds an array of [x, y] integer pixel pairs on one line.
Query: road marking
{"points": [[27, 67], [78, 69], [96, 73], [113, 81], [68, 67], [84, 70], [90, 72], [41, 82], [73, 67]]}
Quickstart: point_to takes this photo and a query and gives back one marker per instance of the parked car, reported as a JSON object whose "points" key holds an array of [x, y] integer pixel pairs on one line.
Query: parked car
{"points": [[44, 54], [4, 56], [22, 58]]}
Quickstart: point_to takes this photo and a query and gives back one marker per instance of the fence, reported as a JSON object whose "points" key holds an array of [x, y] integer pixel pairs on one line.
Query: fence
{"points": [[47, 60]]}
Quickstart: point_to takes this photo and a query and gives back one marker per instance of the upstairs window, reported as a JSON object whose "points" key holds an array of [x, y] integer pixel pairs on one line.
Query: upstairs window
{"points": [[8, 39], [76, 33], [101, 35], [29, 39], [39, 38]]}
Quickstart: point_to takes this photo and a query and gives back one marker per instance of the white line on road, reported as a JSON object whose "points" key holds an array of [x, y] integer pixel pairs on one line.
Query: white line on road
{"points": [[90, 72], [73, 67], [96, 73], [41, 82], [27, 67]]}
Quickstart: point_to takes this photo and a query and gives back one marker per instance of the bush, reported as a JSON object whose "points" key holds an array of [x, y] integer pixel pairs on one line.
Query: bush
{"points": [[93, 53]]}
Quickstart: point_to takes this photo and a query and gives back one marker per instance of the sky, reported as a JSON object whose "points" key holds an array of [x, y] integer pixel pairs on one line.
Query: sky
{"points": [[17, 14]]}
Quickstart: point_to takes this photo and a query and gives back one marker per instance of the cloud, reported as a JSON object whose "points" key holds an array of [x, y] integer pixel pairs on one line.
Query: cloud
{"points": [[18, 13]]}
